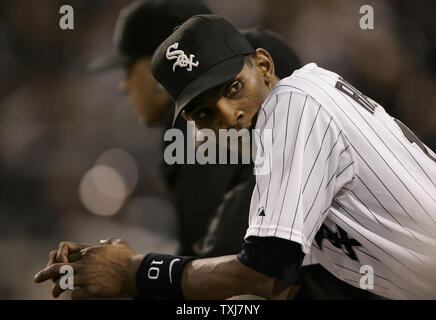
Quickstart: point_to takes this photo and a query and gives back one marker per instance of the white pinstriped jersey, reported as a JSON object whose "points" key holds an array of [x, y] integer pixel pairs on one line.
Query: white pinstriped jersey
{"points": [[349, 183]]}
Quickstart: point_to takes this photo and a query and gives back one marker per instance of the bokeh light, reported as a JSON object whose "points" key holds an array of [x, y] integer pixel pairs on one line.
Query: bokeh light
{"points": [[102, 190], [106, 186]]}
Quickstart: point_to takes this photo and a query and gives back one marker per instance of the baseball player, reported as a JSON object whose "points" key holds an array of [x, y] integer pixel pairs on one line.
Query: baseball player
{"points": [[229, 224], [348, 184]]}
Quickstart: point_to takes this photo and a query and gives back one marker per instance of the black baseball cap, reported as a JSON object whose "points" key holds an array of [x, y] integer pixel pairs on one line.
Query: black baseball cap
{"points": [[142, 26], [201, 54], [285, 59]]}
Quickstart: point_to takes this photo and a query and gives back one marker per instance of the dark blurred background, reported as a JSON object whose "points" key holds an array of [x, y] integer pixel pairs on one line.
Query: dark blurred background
{"points": [[75, 163]]}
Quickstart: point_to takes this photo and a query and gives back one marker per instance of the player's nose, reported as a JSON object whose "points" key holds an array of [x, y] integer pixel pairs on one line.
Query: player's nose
{"points": [[230, 117]]}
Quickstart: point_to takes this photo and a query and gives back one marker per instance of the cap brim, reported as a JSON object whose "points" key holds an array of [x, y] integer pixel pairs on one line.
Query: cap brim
{"points": [[209, 79], [114, 60]]}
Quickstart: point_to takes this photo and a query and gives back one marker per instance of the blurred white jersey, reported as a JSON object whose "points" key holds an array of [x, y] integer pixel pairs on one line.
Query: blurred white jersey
{"points": [[350, 183]]}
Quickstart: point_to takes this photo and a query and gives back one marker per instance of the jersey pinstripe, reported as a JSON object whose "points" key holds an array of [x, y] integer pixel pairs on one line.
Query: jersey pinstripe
{"points": [[349, 183]]}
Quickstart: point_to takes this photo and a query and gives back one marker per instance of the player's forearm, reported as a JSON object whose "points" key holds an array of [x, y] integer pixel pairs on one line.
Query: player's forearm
{"points": [[223, 277]]}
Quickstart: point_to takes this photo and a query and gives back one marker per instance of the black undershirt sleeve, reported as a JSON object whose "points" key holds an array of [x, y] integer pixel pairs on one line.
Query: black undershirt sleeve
{"points": [[275, 257]]}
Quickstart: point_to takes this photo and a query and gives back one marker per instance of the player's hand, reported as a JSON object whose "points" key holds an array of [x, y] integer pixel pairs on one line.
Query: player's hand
{"points": [[66, 252], [65, 249], [103, 271], [69, 251]]}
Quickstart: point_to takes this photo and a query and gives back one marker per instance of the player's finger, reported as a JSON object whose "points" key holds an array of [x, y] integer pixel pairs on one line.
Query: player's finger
{"points": [[48, 273], [66, 247], [75, 256], [51, 258], [56, 289]]}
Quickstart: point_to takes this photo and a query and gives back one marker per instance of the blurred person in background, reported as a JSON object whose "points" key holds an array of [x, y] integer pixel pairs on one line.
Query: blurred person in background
{"points": [[140, 28]]}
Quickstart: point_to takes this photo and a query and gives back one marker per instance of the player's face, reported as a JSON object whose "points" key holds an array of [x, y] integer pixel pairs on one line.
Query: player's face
{"points": [[236, 103], [149, 100]]}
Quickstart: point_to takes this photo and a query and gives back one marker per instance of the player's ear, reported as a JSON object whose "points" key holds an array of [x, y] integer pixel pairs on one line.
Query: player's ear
{"points": [[265, 65]]}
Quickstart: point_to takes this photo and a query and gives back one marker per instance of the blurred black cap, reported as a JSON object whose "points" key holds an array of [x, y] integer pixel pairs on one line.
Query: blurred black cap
{"points": [[285, 59], [202, 53], [142, 26]]}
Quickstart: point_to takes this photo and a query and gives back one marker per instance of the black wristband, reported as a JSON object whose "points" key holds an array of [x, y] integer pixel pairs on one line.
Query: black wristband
{"points": [[160, 275]]}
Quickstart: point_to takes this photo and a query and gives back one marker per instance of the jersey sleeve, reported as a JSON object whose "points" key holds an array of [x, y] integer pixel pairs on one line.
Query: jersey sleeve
{"points": [[307, 160]]}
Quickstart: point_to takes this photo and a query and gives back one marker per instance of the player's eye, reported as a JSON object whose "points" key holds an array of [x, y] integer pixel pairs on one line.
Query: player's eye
{"points": [[201, 115], [234, 87]]}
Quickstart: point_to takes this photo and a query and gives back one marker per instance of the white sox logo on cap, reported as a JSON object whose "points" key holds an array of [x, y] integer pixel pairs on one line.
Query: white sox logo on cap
{"points": [[182, 59]]}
